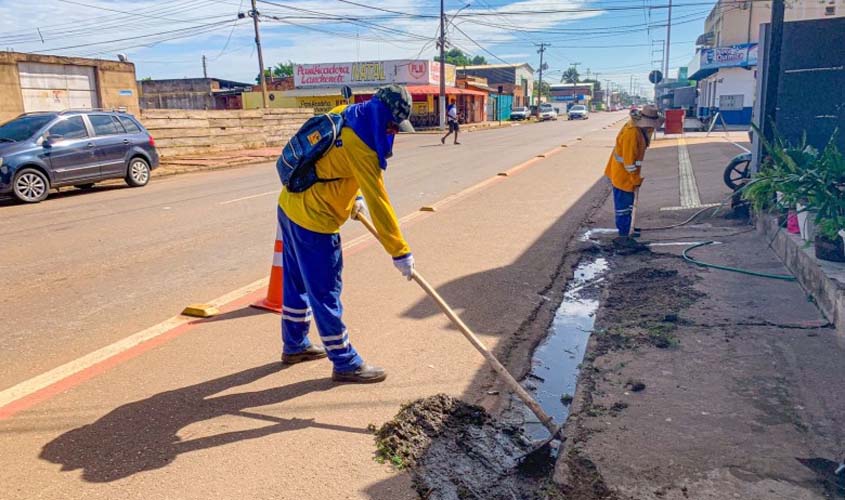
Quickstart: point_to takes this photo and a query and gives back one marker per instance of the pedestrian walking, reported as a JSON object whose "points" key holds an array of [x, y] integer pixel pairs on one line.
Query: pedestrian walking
{"points": [[349, 173], [452, 119], [625, 163]]}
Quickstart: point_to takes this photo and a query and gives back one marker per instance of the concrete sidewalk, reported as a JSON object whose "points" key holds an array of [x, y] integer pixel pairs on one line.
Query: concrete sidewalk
{"points": [[212, 414], [702, 383]]}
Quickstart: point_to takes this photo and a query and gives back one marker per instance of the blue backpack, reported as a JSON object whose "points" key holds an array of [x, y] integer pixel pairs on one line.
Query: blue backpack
{"points": [[297, 165]]}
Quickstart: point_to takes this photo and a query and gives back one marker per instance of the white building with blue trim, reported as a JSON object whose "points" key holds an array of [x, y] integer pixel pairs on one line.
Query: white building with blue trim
{"points": [[725, 61]]}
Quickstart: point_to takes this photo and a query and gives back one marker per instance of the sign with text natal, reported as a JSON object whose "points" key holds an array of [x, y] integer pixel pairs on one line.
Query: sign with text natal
{"points": [[371, 73]]}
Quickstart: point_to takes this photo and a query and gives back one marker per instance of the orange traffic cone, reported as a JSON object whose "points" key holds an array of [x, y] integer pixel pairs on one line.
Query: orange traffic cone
{"points": [[273, 302]]}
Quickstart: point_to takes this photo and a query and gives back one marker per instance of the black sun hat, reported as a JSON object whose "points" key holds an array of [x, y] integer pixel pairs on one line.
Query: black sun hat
{"points": [[399, 102]]}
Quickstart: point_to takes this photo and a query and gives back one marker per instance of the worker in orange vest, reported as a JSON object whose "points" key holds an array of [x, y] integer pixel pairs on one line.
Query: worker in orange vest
{"points": [[625, 162]]}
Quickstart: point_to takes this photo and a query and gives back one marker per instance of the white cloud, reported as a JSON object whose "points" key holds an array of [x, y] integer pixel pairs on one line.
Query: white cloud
{"points": [[64, 24]]}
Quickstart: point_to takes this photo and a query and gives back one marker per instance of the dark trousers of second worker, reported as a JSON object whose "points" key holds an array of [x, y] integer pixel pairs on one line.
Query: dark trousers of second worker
{"points": [[623, 204], [312, 264]]}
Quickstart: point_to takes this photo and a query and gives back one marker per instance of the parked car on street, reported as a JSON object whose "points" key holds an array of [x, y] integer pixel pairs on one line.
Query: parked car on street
{"points": [[520, 113], [40, 151], [547, 112], [579, 112]]}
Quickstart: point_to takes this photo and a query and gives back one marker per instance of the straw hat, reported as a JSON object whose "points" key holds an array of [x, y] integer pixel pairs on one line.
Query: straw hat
{"points": [[648, 117]]}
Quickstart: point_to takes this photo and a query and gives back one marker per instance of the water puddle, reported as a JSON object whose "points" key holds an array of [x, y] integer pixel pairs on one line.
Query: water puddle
{"points": [[588, 234], [556, 361]]}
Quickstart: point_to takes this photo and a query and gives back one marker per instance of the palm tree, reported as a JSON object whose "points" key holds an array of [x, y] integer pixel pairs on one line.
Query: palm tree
{"points": [[570, 75]]}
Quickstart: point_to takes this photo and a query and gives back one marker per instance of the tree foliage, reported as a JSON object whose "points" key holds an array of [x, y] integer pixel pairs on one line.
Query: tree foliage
{"points": [[570, 75], [596, 83], [458, 58], [280, 70], [546, 90]]}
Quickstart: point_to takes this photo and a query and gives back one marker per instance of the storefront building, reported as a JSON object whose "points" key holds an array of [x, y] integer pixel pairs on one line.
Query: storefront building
{"points": [[726, 81], [571, 93], [38, 82], [515, 80], [319, 86]]}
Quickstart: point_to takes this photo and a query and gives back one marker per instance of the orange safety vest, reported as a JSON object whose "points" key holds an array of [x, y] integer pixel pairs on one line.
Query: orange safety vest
{"points": [[629, 150]]}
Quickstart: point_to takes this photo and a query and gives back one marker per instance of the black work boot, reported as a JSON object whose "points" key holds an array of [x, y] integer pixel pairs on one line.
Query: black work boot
{"points": [[311, 353], [365, 374]]}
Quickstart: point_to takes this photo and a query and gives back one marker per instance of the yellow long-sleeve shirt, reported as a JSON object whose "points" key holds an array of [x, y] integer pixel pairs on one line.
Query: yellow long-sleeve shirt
{"points": [[325, 206], [629, 150]]}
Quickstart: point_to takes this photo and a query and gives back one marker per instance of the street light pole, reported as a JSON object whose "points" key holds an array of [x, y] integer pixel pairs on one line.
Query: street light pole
{"points": [[261, 79], [442, 104]]}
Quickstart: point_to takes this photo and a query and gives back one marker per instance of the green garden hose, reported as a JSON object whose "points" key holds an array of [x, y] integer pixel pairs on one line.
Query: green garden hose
{"points": [[784, 277]]}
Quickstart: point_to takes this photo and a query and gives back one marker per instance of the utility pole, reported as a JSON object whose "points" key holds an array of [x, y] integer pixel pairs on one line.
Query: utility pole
{"points": [[442, 104], [668, 43], [254, 14], [204, 67], [541, 50]]}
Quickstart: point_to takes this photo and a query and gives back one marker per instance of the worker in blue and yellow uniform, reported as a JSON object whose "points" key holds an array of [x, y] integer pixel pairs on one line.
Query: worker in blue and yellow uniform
{"points": [[625, 163], [311, 220]]}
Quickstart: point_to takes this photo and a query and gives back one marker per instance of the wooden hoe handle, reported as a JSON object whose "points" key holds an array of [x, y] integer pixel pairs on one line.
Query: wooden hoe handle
{"points": [[503, 373]]}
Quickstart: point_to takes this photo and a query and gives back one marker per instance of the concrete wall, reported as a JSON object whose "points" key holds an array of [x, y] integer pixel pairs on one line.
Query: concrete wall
{"points": [[198, 132], [116, 86], [11, 102], [186, 93]]}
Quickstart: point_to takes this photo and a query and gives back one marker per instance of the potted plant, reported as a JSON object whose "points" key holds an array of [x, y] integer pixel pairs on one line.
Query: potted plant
{"points": [[811, 181]]}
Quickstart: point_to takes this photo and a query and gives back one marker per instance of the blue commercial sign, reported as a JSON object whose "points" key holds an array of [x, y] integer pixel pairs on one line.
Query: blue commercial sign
{"points": [[742, 55]]}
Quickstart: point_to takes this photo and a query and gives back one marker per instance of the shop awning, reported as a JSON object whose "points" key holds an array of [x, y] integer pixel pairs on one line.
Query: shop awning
{"points": [[435, 90]]}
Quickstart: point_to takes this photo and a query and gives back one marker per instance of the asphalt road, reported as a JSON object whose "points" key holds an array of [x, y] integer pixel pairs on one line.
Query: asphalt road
{"points": [[82, 270]]}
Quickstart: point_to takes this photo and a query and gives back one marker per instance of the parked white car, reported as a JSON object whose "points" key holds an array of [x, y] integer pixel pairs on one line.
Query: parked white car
{"points": [[547, 112]]}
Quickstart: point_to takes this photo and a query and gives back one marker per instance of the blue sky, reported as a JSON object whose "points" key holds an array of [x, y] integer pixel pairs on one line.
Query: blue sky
{"points": [[167, 38]]}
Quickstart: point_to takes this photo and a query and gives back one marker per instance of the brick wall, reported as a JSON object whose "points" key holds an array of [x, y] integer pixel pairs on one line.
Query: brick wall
{"points": [[180, 132]]}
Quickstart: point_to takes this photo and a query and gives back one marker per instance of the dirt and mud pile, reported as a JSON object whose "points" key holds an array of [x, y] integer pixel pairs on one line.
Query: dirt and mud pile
{"points": [[458, 451]]}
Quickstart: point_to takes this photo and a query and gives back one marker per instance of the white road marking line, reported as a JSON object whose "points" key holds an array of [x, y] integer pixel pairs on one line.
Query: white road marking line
{"points": [[703, 205], [248, 197], [64, 371], [689, 188], [740, 146], [46, 379]]}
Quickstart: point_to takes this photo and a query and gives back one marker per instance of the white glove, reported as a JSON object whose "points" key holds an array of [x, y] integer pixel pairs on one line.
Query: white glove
{"points": [[358, 208], [405, 265]]}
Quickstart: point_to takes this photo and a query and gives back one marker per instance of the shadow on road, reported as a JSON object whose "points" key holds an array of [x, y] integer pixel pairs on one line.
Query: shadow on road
{"points": [[143, 435], [66, 192]]}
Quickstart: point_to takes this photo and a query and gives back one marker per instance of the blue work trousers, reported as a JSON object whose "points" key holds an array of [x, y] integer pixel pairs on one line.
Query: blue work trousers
{"points": [[623, 203], [312, 264]]}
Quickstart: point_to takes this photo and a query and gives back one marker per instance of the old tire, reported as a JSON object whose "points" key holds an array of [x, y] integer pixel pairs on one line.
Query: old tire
{"points": [[138, 172], [31, 186]]}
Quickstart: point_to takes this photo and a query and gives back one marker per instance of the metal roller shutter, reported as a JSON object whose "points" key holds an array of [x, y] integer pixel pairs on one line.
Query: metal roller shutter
{"points": [[55, 87]]}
